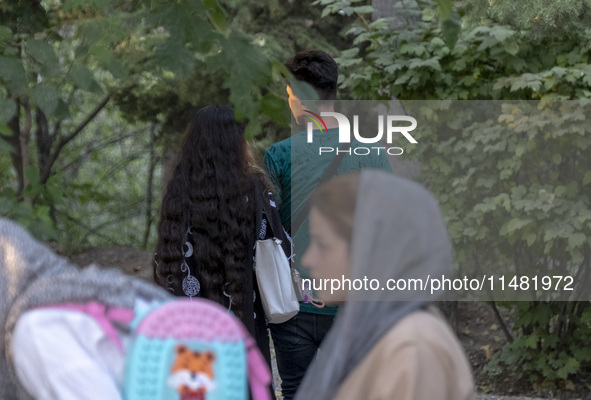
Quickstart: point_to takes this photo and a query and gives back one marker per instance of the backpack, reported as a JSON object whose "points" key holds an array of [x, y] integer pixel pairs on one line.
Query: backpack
{"points": [[192, 349]]}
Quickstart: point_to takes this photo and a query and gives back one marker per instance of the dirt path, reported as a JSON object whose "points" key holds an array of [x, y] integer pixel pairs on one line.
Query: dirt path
{"points": [[493, 397]]}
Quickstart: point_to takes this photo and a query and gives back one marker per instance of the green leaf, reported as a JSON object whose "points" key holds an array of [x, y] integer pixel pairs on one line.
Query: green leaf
{"points": [[364, 9], [576, 240], [303, 90], [511, 47], [238, 54], [349, 53], [175, 57], [46, 97], [5, 37], [5, 147], [450, 30], [445, 7], [559, 190], [81, 76], [5, 206], [216, 13], [252, 129], [516, 224], [432, 63], [117, 69], [5, 130], [62, 111], [571, 366], [276, 109], [587, 178], [532, 341], [23, 212], [7, 109], [530, 238], [96, 4], [32, 175], [502, 34], [54, 194], [43, 53], [187, 23], [13, 75]]}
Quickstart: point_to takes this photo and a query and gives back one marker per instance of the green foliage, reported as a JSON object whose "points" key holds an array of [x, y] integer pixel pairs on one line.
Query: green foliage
{"points": [[67, 69], [243, 50], [541, 18], [104, 181], [488, 61], [512, 173], [512, 178], [553, 346], [36, 217]]}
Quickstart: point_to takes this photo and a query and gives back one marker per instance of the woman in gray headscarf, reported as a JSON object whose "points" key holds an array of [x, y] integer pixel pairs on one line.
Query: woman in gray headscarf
{"points": [[385, 344]]}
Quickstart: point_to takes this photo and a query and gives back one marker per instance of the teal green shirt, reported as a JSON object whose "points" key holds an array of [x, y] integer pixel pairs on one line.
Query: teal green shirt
{"points": [[296, 168]]}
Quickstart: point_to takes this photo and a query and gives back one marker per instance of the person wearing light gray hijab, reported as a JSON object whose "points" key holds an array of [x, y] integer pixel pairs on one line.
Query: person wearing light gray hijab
{"points": [[374, 229]]}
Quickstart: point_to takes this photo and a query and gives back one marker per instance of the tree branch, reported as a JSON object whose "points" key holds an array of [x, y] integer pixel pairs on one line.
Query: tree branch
{"points": [[88, 229], [150, 185], [499, 318], [65, 140], [14, 141], [24, 137], [96, 148]]}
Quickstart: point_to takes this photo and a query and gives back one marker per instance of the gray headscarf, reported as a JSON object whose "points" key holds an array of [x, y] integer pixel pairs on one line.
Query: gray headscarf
{"points": [[398, 233], [32, 275]]}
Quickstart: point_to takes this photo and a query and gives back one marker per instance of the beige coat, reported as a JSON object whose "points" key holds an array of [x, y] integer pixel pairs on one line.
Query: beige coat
{"points": [[418, 359]]}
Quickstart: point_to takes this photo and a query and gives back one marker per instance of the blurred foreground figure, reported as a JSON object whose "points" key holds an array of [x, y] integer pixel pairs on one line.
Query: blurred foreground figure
{"points": [[384, 344], [55, 352], [95, 333]]}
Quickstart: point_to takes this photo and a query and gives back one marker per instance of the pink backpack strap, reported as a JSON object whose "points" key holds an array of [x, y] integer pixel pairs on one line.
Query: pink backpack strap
{"points": [[258, 371], [103, 315]]}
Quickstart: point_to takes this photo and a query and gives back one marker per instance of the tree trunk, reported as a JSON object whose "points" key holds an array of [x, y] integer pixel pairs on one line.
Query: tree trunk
{"points": [[169, 162], [44, 142], [14, 141], [20, 143], [150, 188]]}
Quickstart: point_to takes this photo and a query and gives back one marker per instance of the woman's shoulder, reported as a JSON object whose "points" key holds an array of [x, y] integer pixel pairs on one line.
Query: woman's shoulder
{"points": [[423, 344], [419, 345], [424, 327]]}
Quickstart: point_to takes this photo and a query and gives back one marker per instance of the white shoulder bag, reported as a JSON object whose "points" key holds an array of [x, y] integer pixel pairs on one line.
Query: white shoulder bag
{"points": [[274, 273]]}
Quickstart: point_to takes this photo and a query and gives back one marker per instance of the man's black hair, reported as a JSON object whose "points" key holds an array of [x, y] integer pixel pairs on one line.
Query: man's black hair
{"points": [[318, 69]]}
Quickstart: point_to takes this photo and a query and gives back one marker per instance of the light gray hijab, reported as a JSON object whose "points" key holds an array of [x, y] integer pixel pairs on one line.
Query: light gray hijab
{"points": [[398, 233]]}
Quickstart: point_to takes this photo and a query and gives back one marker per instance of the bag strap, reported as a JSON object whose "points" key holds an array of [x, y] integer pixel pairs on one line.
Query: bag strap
{"points": [[258, 205], [103, 315], [271, 214], [263, 204], [328, 173]]}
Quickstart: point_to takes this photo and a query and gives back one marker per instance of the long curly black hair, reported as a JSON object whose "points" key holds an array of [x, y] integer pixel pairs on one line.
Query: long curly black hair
{"points": [[206, 206]]}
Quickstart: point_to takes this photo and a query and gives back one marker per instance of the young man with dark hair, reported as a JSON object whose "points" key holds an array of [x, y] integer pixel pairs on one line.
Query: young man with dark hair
{"points": [[296, 169], [318, 69]]}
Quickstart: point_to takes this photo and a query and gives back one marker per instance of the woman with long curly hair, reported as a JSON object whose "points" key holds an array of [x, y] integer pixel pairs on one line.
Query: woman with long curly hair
{"points": [[206, 232]]}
